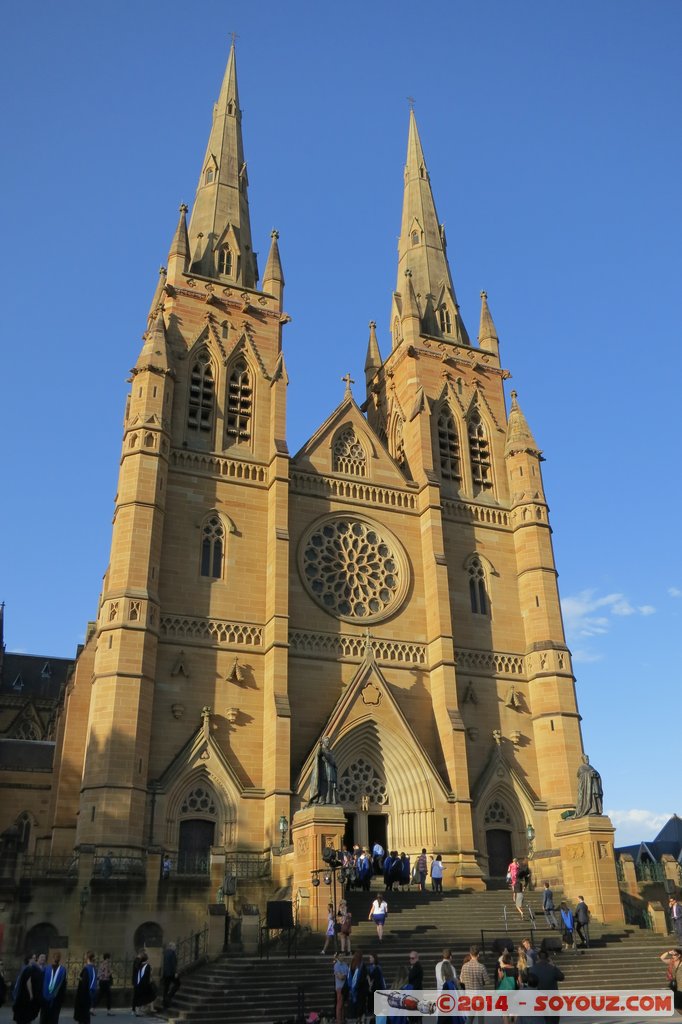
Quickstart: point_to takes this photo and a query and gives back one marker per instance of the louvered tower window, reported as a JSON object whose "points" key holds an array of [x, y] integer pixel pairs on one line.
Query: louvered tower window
{"points": [[239, 403], [445, 321], [201, 394], [448, 447], [225, 261], [479, 453], [212, 542]]}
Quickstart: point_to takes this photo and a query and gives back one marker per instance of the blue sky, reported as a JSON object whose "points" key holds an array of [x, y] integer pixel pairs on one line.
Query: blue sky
{"points": [[552, 136]]}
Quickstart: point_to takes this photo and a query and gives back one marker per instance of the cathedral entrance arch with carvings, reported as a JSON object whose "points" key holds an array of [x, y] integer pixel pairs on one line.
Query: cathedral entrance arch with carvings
{"points": [[377, 779]]}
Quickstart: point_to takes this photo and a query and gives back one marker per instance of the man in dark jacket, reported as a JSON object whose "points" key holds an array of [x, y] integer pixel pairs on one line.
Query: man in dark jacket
{"points": [[169, 974], [581, 916], [548, 976]]}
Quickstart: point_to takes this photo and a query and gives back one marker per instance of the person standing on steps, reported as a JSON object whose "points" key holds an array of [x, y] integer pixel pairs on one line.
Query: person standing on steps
{"points": [[437, 873], [548, 906], [345, 926], [447, 959], [378, 912], [330, 933], [568, 925], [341, 986], [421, 869], [473, 974]]}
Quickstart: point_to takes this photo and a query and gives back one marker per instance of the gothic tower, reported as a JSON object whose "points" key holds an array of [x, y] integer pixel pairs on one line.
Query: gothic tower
{"points": [[193, 612]]}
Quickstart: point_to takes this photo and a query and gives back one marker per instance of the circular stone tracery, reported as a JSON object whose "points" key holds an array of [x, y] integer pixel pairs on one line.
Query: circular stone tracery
{"points": [[353, 569]]}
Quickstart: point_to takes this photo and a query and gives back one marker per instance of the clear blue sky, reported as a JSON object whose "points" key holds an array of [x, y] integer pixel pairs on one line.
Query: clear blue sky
{"points": [[552, 136]]}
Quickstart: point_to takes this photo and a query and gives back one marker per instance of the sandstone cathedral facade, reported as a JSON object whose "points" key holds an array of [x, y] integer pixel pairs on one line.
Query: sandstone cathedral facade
{"points": [[391, 586]]}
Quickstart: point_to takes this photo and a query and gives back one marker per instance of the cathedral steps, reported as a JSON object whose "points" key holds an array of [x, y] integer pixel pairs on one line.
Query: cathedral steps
{"points": [[251, 990]]}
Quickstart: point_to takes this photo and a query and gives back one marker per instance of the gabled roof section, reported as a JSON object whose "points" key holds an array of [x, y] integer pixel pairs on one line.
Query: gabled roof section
{"points": [[201, 751], [488, 778], [36, 681], [315, 455], [369, 700], [671, 831]]}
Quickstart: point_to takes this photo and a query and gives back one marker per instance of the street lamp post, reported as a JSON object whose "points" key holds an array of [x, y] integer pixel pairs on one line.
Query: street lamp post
{"points": [[530, 835], [283, 829]]}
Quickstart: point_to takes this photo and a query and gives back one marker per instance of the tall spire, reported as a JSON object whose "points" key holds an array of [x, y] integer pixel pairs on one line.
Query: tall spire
{"points": [[373, 360], [519, 436], [221, 207], [421, 248], [487, 332]]}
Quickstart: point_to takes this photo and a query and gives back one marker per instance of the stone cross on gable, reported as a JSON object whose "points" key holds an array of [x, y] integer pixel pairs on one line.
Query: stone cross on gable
{"points": [[349, 380]]}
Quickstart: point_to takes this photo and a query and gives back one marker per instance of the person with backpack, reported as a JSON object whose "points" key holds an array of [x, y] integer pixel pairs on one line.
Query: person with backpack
{"points": [[568, 925]]}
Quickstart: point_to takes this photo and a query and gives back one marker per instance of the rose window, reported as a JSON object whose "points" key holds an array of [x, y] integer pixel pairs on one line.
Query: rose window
{"points": [[360, 779], [354, 570]]}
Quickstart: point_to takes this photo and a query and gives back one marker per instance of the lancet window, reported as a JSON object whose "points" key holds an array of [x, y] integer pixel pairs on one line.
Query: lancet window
{"points": [[348, 453], [201, 394], [478, 594], [448, 446], [445, 321], [212, 548], [479, 453], [239, 403], [225, 260]]}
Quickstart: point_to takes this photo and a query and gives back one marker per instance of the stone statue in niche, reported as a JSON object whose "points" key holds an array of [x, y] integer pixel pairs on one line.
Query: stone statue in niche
{"points": [[324, 778], [590, 793]]}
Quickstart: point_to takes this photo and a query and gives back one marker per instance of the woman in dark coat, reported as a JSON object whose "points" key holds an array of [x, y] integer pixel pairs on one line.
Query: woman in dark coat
{"points": [[358, 982], [85, 993], [144, 992]]}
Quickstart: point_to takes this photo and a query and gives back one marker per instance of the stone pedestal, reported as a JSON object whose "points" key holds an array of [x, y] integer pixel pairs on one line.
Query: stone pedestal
{"points": [[588, 865], [314, 829]]}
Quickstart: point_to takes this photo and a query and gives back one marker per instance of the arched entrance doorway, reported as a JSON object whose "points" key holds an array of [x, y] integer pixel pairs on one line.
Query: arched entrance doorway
{"points": [[194, 846], [499, 849], [41, 939]]}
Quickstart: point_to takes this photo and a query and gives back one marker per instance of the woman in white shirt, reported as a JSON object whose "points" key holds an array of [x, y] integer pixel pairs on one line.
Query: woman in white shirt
{"points": [[437, 874], [378, 915]]}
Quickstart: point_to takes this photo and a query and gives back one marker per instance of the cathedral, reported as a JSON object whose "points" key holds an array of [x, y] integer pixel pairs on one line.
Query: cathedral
{"points": [[390, 587]]}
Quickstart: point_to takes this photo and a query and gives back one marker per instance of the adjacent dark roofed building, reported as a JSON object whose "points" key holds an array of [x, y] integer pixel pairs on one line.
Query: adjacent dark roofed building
{"points": [[31, 675], [26, 755], [668, 840]]}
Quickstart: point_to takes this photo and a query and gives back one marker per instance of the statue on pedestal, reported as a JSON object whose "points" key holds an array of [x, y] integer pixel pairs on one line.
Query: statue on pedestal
{"points": [[590, 793], [324, 777]]}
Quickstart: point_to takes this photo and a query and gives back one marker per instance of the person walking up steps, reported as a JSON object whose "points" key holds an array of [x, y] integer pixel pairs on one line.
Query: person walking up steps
{"points": [[330, 933], [548, 906], [378, 913]]}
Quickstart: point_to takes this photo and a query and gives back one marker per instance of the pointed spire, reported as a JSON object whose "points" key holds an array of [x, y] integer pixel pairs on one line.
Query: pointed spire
{"points": [[180, 244], [410, 320], [421, 247], [158, 296], [154, 354], [221, 207], [273, 278], [487, 332], [373, 360], [519, 436]]}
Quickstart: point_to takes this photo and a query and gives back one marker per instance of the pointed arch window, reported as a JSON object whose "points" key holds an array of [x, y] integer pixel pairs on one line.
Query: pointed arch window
{"points": [[348, 454], [415, 238], [399, 443], [239, 403], [201, 394], [479, 453], [445, 320], [448, 446], [478, 592], [209, 176], [212, 548], [225, 260]]}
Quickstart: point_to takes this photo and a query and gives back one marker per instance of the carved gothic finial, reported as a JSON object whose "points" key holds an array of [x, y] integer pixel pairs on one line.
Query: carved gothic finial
{"points": [[236, 674], [514, 394], [372, 324], [206, 711], [234, 37], [484, 295], [184, 207], [411, 100], [497, 736], [274, 233], [349, 380]]}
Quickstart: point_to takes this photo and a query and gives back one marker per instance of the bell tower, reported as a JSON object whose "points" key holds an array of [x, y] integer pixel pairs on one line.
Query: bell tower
{"points": [[192, 626]]}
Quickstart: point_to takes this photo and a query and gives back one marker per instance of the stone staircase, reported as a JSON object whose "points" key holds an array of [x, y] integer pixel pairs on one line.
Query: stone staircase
{"points": [[248, 990]]}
